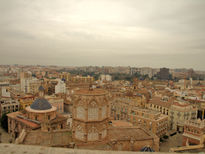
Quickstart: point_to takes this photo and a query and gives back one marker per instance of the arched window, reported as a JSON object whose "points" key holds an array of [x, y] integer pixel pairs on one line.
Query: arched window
{"points": [[93, 111], [79, 134], [80, 112], [93, 134], [104, 132], [104, 112]]}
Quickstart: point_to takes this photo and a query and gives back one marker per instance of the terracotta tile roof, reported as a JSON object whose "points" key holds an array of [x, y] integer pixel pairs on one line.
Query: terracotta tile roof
{"points": [[181, 104], [127, 133], [90, 92], [14, 114], [27, 96], [119, 123], [195, 101], [29, 123], [159, 102], [24, 121]]}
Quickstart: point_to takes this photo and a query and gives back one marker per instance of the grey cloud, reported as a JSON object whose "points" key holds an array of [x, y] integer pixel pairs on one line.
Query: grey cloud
{"points": [[68, 32]]}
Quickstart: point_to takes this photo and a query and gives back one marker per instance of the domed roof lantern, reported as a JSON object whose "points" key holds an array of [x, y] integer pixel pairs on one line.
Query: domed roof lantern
{"points": [[41, 88], [41, 91]]}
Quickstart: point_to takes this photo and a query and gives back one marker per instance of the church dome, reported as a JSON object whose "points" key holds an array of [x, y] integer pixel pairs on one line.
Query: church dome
{"points": [[40, 104], [147, 149], [41, 88]]}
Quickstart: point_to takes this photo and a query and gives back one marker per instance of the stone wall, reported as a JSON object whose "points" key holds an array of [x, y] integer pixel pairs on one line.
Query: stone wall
{"points": [[191, 141], [55, 138], [41, 116], [19, 149]]}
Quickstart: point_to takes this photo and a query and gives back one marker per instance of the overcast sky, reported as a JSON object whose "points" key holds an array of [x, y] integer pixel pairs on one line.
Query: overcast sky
{"points": [[155, 33]]}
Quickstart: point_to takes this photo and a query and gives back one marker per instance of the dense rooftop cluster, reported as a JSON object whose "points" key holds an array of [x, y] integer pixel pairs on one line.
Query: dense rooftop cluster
{"points": [[101, 111]]}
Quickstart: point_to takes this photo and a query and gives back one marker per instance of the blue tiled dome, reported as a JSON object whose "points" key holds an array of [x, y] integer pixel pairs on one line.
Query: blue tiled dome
{"points": [[41, 88], [147, 149], [41, 104]]}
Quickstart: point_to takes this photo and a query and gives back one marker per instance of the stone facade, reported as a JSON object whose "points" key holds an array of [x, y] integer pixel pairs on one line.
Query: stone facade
{"points": [[79, 82], [121, 106], [60, 87], [179, 113], [39, 115], [194, 131], [160, 104], [8, 105], [61, 138], [131, 139], [57, 102], [90, 115], [16, 124], [153, 121], [25, 101]]}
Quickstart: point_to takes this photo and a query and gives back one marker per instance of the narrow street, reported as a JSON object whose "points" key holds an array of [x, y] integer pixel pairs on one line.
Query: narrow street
{"points": [[173, 141]]}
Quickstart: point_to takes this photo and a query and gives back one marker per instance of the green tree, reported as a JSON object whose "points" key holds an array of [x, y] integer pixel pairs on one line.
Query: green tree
{"points": [[170, 77]]}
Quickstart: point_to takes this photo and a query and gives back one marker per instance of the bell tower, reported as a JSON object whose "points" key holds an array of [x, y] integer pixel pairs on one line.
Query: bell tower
{"points": [[90, 115], [41, 91]]}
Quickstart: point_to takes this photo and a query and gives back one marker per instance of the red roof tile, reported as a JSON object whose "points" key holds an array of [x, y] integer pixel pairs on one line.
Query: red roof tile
{"points": [[159, 102], [24, 121]]}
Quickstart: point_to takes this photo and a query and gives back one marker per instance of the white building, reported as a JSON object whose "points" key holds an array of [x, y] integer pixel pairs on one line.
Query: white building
{"points": [[104, 77], [180, 112], [8, 105], [30, 85], [24, 80], [5, 92], [203, 96], [58, 102], [60, 87]]}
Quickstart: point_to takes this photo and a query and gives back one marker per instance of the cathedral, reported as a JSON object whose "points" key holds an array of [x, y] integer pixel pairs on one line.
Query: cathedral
{"points": [[40, 116]]}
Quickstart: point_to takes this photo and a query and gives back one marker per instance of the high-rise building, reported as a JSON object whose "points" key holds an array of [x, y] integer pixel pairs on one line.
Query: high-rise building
{"points": [[28, 83], [163, 74]]}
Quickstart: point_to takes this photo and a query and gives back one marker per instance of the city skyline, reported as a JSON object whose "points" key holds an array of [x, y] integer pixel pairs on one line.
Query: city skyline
{"points": [[75, 33], [101, 66]]}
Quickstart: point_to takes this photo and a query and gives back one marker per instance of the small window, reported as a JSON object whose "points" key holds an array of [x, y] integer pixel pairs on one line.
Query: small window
{"points": [[49, 117], [36, 117]]}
